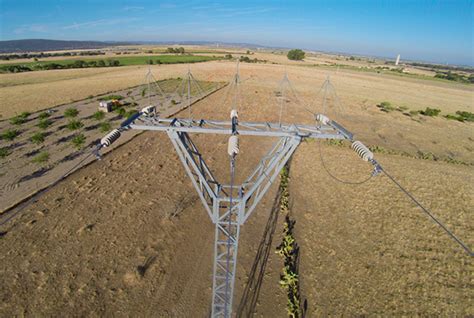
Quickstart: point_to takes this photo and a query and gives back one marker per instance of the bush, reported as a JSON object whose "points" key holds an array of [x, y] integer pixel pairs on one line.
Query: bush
{"points": [[43, 115], [38, 138], [20, 119], [41, 157], [105, 127], [121, 111], [385, 107], [98, 115], [24, 115], [71, 112], [4, 152], [78, 141], [414, 112], [432, 112], [74, 125], [177, 50], [10, 134], [466, 116], [461, 116], [17, 120], [44, 123], [296, 55]]}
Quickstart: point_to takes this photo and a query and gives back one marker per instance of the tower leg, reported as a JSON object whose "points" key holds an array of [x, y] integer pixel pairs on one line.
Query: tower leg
{"points": [[225, 258]]}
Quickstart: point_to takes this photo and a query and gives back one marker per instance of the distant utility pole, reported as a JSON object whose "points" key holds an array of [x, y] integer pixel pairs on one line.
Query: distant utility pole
{"points": [[398, 60]]}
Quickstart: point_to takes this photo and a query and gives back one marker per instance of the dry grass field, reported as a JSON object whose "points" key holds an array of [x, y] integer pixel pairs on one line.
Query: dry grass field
{"points": [[105, 241]]}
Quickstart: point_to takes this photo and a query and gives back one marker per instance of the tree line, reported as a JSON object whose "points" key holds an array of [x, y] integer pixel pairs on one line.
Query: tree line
{"points": [[7, 57], [57, 66], [179, 50]]}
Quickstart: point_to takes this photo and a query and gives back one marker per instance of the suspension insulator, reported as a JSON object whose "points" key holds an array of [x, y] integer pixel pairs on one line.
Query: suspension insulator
{"points": [[148, 110], [233, 146], [233, 114], [362, 151], [322, 119], [110, 138]]}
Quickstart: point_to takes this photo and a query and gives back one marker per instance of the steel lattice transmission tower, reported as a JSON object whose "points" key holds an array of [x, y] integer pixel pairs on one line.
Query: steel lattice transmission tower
{"points": [[229, 206]]}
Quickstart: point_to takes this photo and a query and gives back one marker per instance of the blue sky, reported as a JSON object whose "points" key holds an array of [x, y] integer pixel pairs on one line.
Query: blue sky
{"points": [[439, 31]]}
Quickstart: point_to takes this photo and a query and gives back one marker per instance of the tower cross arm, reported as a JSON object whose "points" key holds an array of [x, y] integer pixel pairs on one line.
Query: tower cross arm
{"points": [[269, 129]]}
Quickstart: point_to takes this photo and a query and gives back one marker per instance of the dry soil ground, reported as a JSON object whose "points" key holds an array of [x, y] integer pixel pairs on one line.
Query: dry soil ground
{"points": [[104, 241], [22, 177]]}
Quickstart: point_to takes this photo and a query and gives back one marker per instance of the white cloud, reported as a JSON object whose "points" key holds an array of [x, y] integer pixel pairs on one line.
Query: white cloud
{"points": [[101, 22], [133, 8], [35, 28]]}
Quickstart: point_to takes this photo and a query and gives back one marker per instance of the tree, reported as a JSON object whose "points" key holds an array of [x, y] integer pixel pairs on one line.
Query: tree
{"points": [[296, 54], [180, 50]]}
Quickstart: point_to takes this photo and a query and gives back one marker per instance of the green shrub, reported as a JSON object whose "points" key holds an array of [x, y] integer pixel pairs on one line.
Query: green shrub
{"points": [[10, 134], [38, 138], [461, 116], [453, 117], [121, 111], [20, 119], [41, 157], [426, 155], [105, 127], [296, 55], [432, 112], [43, 115], [466, 116], [17, 120], [74, 124], [99, 115], [44, 123], [4, 152], [71, 112], [24, 115], [78, 141], [385, 107]]}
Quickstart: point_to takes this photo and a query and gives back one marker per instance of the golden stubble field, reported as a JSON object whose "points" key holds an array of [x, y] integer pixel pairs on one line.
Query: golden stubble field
{"points": [[83, 247]]}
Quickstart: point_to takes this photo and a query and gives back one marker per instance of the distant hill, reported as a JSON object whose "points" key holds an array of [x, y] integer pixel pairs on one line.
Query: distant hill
{"points": [[39, 45]]}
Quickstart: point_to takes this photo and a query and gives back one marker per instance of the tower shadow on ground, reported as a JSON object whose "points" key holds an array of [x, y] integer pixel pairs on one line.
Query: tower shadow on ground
{"points": [[251, 293]]}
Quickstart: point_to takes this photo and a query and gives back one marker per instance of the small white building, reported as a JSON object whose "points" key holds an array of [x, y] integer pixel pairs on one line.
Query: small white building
{"points": [[106, 106]]}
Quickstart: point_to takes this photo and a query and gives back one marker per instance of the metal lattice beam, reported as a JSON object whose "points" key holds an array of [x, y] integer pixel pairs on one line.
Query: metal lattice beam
{"points": [[230, 206]]}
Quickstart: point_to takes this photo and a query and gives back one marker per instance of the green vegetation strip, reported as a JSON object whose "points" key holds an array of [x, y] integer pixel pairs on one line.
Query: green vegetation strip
{"points": [[288, 250], [106, 62]]}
